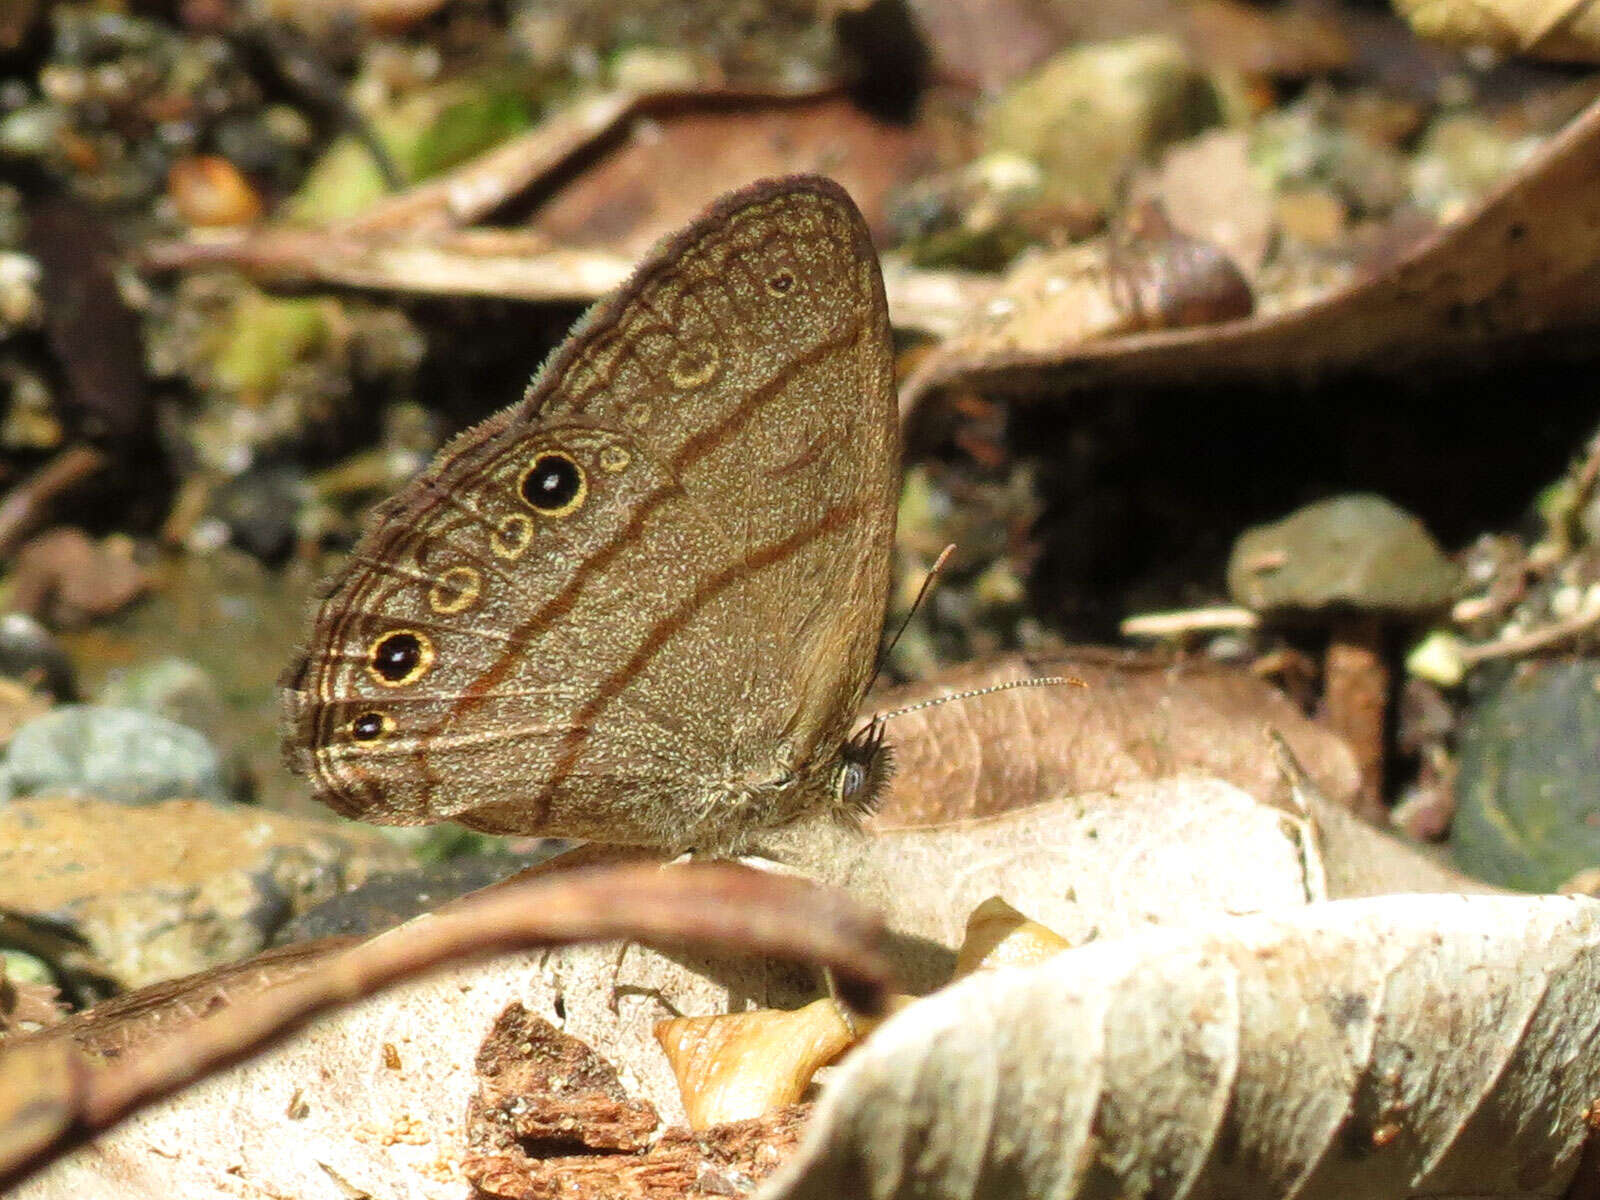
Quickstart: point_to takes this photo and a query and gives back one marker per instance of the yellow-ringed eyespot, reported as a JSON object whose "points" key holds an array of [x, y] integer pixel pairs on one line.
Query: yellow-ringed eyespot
{"points": [[400, 657], [512, 537], [694, 365], [370, 726], [455, 590], [553, 484]]}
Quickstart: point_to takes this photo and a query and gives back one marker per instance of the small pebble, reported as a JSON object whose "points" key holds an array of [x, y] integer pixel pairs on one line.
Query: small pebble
{"points": [[66, 578], [208, 190], [31, 656], [20, 306], [259, 508]]}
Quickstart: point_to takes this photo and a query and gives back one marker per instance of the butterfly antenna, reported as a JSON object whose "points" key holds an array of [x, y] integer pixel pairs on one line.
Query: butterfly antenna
{"points": [[1040, 681], [874, 729], [928, 581]]}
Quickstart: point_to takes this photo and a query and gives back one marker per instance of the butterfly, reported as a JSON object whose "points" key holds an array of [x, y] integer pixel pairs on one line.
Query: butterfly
{"points": [[642, 605]]}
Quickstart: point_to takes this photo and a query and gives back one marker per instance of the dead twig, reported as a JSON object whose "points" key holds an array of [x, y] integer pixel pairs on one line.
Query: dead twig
{"points": [[28, 505]]}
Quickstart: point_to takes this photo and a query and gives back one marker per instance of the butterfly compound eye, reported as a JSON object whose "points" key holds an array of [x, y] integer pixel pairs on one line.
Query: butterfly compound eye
{"points": [[852, 778], [553, 484]]}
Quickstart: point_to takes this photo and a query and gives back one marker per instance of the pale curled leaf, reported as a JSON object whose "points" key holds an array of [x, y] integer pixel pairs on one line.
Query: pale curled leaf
{"points": [[732, 1066], [737, 1065], [1000, 936], [1437, 1045], [1564, 30]]}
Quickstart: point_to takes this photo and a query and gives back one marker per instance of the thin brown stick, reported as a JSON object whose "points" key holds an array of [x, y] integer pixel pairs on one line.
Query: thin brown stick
{"points": [[28, 505], [1585, 620]]}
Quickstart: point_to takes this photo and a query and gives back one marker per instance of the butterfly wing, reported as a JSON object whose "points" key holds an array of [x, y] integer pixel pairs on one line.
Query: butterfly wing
{"points": [[643, 604]]}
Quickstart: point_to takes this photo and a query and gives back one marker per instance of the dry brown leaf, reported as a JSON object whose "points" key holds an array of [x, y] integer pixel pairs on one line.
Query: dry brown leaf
{"points": [[1563, 30], [1293, 41], [1141, 717], [1520, 265], [640, 192], [1403, 1046], [585, 238]]}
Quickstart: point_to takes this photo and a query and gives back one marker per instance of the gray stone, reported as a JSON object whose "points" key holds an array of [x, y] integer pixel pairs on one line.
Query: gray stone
{"points": [[117, 754], [1357, 552], [1527, 810], [388, 898], [30, 655], [170, 687]]}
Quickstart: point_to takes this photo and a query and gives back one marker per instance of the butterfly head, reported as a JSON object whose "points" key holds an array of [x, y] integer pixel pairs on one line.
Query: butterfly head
{"points": [[865, 765]]}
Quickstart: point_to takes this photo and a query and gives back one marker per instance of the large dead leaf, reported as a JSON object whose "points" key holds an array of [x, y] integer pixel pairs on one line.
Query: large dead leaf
{"points": [[1520, 265], [1140, 717], [1410, 1045], [376, 1095]]}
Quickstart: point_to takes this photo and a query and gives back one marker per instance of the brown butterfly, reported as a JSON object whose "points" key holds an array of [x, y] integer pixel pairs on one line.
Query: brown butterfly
{"points": [[642, 605]]}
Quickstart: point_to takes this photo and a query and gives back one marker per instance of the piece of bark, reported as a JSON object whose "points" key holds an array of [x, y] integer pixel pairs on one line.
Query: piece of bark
{"points": [[725, 1160], [539, 1085]]}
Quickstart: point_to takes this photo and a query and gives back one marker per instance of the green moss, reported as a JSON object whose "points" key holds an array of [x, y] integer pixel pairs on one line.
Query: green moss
{"points": [[264, 336], [425, 134]]}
